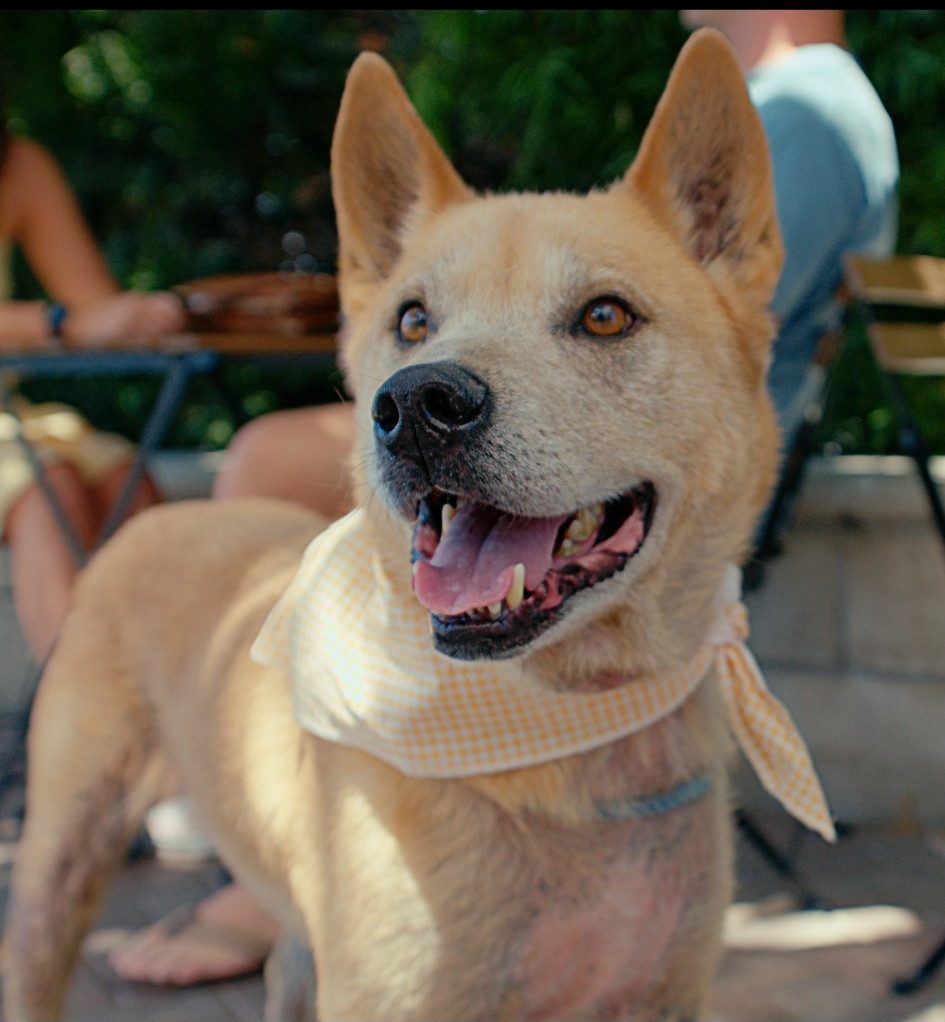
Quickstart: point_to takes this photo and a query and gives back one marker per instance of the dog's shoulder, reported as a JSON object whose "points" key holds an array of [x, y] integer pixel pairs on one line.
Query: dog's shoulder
{"points": [[215, 544]]}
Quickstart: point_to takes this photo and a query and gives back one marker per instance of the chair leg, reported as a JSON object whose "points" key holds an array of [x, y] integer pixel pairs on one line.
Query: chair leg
{"points": [[790, 482], [768, 545], [921, 976], [776, 859], [913, 444]]}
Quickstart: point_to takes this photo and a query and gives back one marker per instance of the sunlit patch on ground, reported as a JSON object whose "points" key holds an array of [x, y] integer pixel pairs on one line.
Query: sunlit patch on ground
{"points": [[776, 926], [934, 1014], [104, 941]]}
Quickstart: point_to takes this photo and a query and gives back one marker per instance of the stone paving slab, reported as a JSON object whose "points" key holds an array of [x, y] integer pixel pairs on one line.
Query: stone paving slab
{"points": [[850, 982], [851, 594], [896, 600], [878, 742], [797, 616]]}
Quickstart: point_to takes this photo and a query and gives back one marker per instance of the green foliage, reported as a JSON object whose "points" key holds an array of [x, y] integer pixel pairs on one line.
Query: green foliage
{"points": [[197, 139], [903, 52], [540, 99]]}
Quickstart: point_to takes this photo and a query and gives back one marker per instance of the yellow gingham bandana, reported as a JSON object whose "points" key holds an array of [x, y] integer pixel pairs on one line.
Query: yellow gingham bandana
{"points": [[365, 674]]}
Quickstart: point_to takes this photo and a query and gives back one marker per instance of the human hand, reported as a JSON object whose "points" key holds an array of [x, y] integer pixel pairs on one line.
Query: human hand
{"points": [[130, 316]]}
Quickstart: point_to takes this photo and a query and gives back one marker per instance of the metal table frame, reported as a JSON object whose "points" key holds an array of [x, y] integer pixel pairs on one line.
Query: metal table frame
{"points": [[177, 370], [178, 360]]}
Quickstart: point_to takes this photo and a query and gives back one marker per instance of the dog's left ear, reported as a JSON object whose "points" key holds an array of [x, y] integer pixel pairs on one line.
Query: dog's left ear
{"points": [[388, 174], [704, 169]]}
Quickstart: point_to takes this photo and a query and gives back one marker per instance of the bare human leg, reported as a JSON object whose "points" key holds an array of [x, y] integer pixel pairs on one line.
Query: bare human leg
{"points": [[42, 567], [299, 455]]}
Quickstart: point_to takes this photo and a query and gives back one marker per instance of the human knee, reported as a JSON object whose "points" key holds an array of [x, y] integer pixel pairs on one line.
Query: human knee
{"points": [[112, 486], [288, 453], [248, 455], [33, 505]]}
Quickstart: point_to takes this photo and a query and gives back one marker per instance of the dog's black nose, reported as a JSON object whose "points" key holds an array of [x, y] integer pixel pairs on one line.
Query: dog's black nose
{"points": [[428, 406]]}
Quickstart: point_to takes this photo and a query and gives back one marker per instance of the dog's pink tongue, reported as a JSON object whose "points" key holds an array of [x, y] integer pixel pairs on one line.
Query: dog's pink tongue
{"points": [[473, 563]]}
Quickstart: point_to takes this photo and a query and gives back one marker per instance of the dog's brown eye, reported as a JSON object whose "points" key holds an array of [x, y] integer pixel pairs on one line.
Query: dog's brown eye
{"points": [[413, 327], [606, 317]]}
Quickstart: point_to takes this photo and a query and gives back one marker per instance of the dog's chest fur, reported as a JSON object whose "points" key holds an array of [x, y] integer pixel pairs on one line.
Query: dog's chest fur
{"points": [[545, 917], [609, 903], [609, 900]]}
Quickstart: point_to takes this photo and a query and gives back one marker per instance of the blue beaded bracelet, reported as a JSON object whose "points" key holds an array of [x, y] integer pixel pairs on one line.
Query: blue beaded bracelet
{"points": [[55, 317]]}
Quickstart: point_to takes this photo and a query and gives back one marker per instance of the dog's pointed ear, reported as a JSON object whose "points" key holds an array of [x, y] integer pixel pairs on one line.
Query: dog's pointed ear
{"points": [[388, 173], [704, 168]]}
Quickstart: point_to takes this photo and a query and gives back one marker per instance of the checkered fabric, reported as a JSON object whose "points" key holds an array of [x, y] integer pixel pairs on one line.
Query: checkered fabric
{"points": [[365, 674], [763, 726]]}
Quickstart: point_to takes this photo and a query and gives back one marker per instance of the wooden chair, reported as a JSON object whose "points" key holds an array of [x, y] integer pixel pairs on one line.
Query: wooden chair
{"points": [[903, 303], [902, 299]]}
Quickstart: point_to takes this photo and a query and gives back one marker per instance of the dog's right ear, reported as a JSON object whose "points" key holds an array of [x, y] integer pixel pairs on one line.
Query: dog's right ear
{"points": [[704, 168], [388, 174]]}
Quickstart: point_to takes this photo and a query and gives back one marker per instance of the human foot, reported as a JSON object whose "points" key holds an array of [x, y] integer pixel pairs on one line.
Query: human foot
{"points": [[224, 936]]}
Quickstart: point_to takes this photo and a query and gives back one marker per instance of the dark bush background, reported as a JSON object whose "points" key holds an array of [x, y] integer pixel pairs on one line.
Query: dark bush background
{"points": [[198, 141]]}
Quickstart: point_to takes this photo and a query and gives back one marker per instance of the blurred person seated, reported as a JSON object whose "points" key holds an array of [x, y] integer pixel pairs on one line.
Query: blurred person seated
{"points": [[40, 214]]}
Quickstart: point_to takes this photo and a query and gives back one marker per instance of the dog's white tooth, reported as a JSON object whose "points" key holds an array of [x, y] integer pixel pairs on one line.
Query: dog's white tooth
{"points": [[568, 548], [446, 517], [583, 526], [495, 609], [516, 592]]}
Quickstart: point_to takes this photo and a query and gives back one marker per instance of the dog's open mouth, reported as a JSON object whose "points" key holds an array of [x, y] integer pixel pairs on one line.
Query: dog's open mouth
{"points": [[492, 581]]}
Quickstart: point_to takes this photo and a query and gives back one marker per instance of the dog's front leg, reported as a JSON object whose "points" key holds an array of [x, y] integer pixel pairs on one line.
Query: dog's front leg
{"points": [[290, 982], [94, 770]]}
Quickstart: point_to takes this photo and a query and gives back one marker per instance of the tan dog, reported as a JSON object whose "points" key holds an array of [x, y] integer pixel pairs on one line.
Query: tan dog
{"points": [[522, 357]]}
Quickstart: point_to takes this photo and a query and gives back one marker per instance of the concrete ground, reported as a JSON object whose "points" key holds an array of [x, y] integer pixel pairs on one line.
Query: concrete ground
{"points": [[850, 631]]}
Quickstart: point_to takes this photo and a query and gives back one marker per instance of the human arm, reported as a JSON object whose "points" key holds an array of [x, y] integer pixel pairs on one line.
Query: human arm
{"points": [[39, 212]]}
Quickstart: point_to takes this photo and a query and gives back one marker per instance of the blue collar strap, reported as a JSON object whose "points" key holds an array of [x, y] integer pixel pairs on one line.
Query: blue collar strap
{"points": [[619, 810]]}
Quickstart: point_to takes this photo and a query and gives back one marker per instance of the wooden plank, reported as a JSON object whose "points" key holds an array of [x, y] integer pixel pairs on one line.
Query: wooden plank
{"points": [[248, 344], [914, 281], [237, 343], [914, 349]]}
